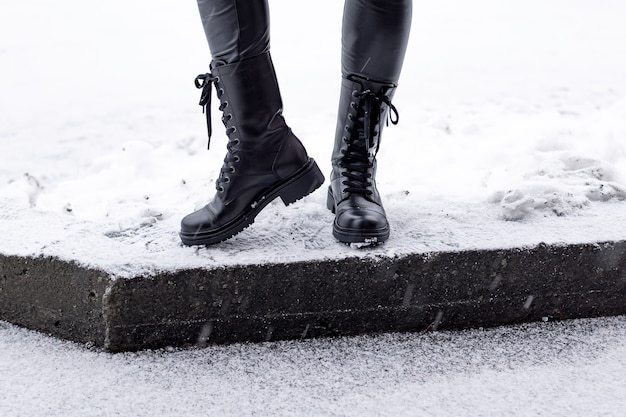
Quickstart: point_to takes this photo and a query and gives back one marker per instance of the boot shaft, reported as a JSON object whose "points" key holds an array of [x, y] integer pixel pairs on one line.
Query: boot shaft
{"points": [[250, 97], [363, 109], [261, 147]]}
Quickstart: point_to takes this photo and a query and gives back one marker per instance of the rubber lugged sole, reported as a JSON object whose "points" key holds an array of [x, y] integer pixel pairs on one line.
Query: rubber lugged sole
{"points": [[359, 236], [306, 180]]}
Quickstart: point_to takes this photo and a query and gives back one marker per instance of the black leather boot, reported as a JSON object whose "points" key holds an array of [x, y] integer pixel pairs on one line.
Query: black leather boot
{"points": [[352, 195], [265, 159]]}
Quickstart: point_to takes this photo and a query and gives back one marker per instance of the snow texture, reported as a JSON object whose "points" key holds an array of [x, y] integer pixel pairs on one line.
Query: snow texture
{"points": [[512, 131], [566, 369]]}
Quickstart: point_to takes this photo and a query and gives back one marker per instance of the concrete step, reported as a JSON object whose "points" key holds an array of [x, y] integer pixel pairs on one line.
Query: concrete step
{"points": [[256, 303]]}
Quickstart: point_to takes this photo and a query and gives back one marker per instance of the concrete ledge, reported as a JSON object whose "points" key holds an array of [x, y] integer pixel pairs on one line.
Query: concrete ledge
{"points": [[255, 303], [54, 296]]}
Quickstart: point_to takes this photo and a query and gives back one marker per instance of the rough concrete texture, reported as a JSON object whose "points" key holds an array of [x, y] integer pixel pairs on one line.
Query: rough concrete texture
{"points": [[53, 296], [255, 303]]}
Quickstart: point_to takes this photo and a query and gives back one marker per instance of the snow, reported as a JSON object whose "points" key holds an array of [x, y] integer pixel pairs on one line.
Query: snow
{"points": [[575, 368], [511, 131]]}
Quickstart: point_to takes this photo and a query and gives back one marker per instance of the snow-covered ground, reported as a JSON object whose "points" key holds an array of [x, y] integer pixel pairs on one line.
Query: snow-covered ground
{"points": [[512, 132], [564, 369]]}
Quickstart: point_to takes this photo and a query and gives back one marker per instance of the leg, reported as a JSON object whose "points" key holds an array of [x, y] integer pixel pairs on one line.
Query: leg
{"points": [[264, 159], [374, 39], [235, 29]]}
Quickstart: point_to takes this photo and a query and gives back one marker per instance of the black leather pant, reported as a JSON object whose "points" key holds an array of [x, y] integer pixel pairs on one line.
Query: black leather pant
{"points": [[374, 34]]}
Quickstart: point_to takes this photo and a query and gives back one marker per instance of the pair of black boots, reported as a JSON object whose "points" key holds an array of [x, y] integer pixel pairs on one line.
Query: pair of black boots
{"points": [[265, 160]]}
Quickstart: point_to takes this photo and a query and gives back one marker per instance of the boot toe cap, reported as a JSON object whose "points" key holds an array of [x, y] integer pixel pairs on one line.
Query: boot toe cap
{"points": [[197, 221], [361, 219], [360, 224]]}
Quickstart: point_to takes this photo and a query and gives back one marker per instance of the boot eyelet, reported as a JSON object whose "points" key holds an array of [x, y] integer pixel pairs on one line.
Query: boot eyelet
{"points": [[237, 159], [234, 129], [221, 91], [236, 141], [355, 93], [232, 170], [226, 180], [220, 189], [353, 105], [350, 116], [345, 139]]}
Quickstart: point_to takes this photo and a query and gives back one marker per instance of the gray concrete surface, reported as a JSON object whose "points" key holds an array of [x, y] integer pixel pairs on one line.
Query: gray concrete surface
{"points": [[355, 295]]}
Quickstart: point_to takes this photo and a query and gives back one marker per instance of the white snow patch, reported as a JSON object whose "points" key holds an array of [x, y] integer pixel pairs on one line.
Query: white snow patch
{"points": [[575, 368]]}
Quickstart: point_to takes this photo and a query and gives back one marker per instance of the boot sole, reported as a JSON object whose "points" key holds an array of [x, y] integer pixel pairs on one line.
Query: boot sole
{"points": [[359, 236], [306, 180]]}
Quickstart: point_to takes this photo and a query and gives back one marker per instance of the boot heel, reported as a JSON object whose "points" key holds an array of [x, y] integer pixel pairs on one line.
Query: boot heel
{"points": [[308, 180]]}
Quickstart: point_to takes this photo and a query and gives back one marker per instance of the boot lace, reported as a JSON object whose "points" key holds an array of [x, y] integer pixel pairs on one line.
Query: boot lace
{"points": [[364, 141], [204, 82]]}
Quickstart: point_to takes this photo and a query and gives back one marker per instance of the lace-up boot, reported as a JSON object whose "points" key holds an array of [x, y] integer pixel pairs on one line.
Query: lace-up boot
{"points": [[264, 159], [363, 107]]}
